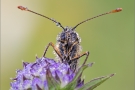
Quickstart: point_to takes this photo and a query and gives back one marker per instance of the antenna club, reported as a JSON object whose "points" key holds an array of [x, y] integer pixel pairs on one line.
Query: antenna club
{"points": [[22, 8], [116, 10]]}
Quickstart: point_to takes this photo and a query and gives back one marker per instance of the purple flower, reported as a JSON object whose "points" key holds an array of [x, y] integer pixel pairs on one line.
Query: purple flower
{"points": [[46, 74]]}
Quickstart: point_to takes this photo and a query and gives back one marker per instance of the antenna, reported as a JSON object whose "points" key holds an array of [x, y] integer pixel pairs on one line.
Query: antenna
{"points": [[113, 11], [26, 9]]}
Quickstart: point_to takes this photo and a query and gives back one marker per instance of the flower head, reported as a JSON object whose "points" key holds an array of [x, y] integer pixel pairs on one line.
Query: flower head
{"points": [[46, 74]]}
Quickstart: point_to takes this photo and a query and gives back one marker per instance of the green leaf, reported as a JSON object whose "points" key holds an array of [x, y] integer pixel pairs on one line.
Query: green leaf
{"points": [[94, 83], [73, 83]]}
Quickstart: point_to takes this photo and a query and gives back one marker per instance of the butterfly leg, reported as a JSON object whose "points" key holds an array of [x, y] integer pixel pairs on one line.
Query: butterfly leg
{"points": [[87, 55], [54, 47]]}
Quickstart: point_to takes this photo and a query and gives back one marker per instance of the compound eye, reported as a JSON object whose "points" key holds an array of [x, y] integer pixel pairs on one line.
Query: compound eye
{"points": [[74, 36], [62, 36]]}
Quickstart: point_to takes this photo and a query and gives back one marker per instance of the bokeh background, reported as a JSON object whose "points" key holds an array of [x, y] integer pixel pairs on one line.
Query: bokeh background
{"points": [[110, 39]]}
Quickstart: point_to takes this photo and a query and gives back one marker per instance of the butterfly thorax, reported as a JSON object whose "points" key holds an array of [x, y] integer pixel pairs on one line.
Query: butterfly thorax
{"points": [[68, 43]]}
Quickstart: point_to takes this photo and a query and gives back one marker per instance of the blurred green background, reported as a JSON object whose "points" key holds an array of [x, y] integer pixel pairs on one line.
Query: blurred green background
{"points": [[110, 39]]}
